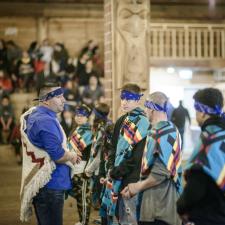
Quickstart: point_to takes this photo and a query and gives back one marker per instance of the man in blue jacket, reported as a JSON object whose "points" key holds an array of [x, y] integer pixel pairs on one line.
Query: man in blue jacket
{"points": [[46, 171]]}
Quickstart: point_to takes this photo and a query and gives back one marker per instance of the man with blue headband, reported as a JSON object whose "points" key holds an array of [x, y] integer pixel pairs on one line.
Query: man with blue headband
{"points": [[161, 171], [47, 162], [203, 199], [124, 161]]}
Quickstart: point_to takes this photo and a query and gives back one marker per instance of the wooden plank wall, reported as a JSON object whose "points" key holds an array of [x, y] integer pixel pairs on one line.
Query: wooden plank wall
{"points": [[73, 32], [22, 30]]}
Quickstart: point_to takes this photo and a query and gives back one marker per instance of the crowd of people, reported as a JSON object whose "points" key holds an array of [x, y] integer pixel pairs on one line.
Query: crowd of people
{"points": [[131, 170], [26, 70]]}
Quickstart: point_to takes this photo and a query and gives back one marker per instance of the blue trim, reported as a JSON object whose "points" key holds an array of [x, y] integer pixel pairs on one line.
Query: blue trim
{"points": [[127, 95]]}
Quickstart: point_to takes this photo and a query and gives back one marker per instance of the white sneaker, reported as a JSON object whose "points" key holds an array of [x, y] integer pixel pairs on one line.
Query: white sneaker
{"points": [[78, 223]]}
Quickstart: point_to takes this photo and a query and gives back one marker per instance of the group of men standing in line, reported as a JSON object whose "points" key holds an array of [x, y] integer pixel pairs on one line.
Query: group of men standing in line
{"points": [[136, 166]]}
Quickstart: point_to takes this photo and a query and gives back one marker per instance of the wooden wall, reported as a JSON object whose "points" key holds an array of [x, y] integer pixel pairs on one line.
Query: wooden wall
{"points": [[22, 30], [75, 24], [72, 25]]}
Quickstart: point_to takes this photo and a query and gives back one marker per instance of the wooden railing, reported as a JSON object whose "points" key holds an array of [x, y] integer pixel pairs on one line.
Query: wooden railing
{"points": [[187, 41]]}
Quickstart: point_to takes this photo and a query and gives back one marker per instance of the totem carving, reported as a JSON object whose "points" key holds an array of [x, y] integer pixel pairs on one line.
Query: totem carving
{"points": [[131, 33]]}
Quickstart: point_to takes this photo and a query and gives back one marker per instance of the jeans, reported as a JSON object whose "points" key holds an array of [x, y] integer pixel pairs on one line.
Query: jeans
{"points": [[127, 211], [48, 206]]}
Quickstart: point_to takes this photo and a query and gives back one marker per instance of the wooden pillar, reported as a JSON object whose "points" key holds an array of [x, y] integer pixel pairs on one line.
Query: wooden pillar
{"points": [[108, 52]]}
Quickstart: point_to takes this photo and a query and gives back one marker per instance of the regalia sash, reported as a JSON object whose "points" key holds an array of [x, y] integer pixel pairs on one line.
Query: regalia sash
{"points": [[164, 142], [133, 130], [80, 138], [209, 155]]}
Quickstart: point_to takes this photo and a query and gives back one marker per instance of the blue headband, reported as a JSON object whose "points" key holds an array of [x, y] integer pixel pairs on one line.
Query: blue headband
{"points": [[52, 94], [99, 115], [127, 95], [209, 110], [155, 106], [82, 112]]}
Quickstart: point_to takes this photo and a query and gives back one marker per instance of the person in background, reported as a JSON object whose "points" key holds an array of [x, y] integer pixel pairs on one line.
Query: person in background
{"points": [[161, 172], [179, 117], [15, 141], [6, 119], [3, 55], [80, 141], [46, 51], [203, 199], [67, 119], [72, 94], [93, 93], [39, 67], [5, 82], [25, 71], [82, 81]]}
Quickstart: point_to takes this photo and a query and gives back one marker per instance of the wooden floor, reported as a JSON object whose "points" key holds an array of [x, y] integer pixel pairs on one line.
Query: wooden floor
{"points": [[10, 176]]}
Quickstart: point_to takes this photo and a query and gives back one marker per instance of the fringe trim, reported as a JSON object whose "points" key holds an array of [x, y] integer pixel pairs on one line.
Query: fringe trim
{"points": [[30, 191]]}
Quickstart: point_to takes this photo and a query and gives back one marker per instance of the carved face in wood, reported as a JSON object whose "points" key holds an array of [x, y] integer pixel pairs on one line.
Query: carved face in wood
{"points": [[132, 55]]}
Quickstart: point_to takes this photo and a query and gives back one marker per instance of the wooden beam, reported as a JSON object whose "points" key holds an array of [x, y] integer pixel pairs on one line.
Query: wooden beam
{"points": [[209, 64]]}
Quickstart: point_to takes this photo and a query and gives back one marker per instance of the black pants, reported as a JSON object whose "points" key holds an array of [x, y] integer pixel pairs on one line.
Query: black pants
{"points": [[156, 222]]}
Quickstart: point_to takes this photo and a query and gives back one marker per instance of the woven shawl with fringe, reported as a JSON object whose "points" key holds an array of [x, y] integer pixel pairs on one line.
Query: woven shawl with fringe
{"points": [[37, 169]]}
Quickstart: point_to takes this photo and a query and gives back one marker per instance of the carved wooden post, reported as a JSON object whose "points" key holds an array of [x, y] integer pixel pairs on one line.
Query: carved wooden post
{"points": [[128, 47]]}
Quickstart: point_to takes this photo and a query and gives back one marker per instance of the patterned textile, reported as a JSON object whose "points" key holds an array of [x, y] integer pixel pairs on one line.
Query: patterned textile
{"points": [[50, 95], [209, 154], [134, 129], [80, 138], [209, 110], [164, 141], [97, 149], [98, 140], [82, 193], [167, 107]]}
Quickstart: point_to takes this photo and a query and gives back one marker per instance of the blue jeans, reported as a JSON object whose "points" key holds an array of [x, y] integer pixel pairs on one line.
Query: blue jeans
{"points": [[48, 206]]}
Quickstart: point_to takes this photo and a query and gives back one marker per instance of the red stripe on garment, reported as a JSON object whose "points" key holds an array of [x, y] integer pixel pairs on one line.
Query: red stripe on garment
{"points": [[33, 157]]}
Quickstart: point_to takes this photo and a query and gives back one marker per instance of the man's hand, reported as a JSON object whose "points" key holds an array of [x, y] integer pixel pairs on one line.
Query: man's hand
{"points": [[84, 176], [74, 158], [185, 219], [87, 173], [126, 193], [134, 188], [102, 180], [131, 189]]}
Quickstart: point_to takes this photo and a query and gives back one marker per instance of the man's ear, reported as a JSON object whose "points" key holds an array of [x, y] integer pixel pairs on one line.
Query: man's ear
{"points": [[45, 102], [204, 115]]}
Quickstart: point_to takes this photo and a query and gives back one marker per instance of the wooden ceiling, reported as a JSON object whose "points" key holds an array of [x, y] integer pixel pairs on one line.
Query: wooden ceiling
{"points": [[167, 2], [201, 10]]}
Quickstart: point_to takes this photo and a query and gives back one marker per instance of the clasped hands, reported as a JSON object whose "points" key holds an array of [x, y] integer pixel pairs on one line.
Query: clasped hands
{"points": [[130, 190]]}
